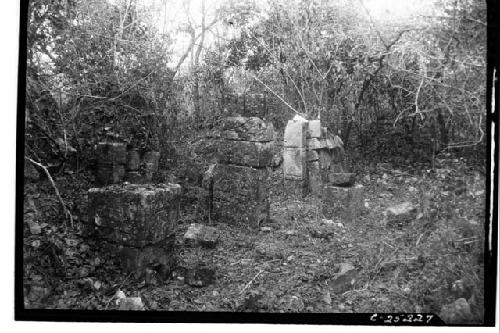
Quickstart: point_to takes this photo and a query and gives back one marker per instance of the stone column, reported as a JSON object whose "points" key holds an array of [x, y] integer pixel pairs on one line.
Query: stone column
{"points": [[240, 187], [295, 158]]}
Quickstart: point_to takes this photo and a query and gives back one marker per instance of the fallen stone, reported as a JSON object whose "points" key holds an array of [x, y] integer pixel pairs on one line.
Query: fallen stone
{"points": [[131, 304], [458, 312], [266, 229], [247, 129], [201, 235], [255, 154], [401, 214], [134, 215], [200, 276], [344, 278], [295, 163], [133, 160], [314, 130], [295, 134], [344, 179]]}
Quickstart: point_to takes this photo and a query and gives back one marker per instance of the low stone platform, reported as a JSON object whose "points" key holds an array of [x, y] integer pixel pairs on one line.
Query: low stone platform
{"points": [[138, 222]]}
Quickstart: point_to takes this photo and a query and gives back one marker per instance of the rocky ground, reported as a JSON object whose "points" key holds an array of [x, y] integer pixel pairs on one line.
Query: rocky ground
{"points": [[428, 261]]}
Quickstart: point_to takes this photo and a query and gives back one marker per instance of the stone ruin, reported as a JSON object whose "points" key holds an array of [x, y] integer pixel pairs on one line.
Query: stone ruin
{"points": [[135, 220], [116, 163], [239, 183], [314, 162], [137, 223]]}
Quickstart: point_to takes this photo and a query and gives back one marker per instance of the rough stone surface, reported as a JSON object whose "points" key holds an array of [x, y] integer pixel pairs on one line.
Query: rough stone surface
{"points": [[295, 134], [314, 130], [201, 235], [399, 215], [458, 312], [343, 279], [344, 179], [315, 182], [133, 160], [134, 215], [312, 155], [247, 129], [346, 202], [255, 154], [314, 143], [240, 194], [159, 256], [295, 163], [131, 304], [107, 174], [111, 153], [241, 181], [134, 177]]}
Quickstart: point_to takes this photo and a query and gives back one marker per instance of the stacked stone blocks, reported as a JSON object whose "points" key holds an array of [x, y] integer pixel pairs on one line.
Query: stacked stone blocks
{"points": [[240, 181], [137, 223], [116, 163]]}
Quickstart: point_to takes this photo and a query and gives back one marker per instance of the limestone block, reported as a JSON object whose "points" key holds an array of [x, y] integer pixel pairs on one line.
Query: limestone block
{"points": [[133, 160], [160, 257], [324, 132], [255, 154], [134, 215], [315, 183], [201, 235], [295, 134], [315, 143], [107, 174], [241, 182], [247, 129], [295, 163], [400, 215], [111, 153], [343, 202], [314, 130], [312, 155], [343, 179]]}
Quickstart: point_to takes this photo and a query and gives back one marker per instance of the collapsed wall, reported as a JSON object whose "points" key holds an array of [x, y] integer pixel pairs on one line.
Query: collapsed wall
{"points": [[314, 162], [116, 163], [310, 156], [239, 187], [135, 221]]}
